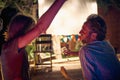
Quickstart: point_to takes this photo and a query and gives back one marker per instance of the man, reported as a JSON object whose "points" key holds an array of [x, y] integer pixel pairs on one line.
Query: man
{"points": [[97, 56]]}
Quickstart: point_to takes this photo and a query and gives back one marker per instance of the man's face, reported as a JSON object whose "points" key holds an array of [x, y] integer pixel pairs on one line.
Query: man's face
{"points": [[85, 33]]}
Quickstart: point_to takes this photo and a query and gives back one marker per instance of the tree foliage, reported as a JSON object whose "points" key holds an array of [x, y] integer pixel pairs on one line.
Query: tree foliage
{"points": [[25, 6], [108, 3]]}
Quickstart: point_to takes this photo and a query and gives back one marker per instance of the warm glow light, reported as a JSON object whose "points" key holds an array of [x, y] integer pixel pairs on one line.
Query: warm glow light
{"points": [[70, 17], [68, 20], [40, 4]]}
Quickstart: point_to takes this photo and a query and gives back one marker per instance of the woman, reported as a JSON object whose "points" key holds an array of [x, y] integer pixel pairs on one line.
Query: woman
{"points": [[21, 33]]}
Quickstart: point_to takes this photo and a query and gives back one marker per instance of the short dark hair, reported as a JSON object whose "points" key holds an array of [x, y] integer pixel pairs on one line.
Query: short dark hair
{"points": [[98, 26]]}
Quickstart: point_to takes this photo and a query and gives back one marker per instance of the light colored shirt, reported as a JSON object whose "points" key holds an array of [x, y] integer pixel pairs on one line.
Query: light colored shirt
{"points": [[99, 61]]}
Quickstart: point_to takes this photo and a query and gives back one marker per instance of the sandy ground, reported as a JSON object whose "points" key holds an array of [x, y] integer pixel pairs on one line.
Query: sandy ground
{"points": [[72, 67]]}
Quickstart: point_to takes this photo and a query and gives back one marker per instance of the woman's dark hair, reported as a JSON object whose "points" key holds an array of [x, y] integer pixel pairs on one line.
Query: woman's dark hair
{"points": [[19, 25], [97, 25], [6, 15]]}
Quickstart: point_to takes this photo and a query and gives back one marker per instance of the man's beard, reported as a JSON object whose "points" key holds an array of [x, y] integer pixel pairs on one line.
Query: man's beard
{"points": [[84, 41], [87, 40]]}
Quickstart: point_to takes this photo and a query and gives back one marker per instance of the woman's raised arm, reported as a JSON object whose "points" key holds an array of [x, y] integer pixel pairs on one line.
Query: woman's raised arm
{"points": [[42, 24]]}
